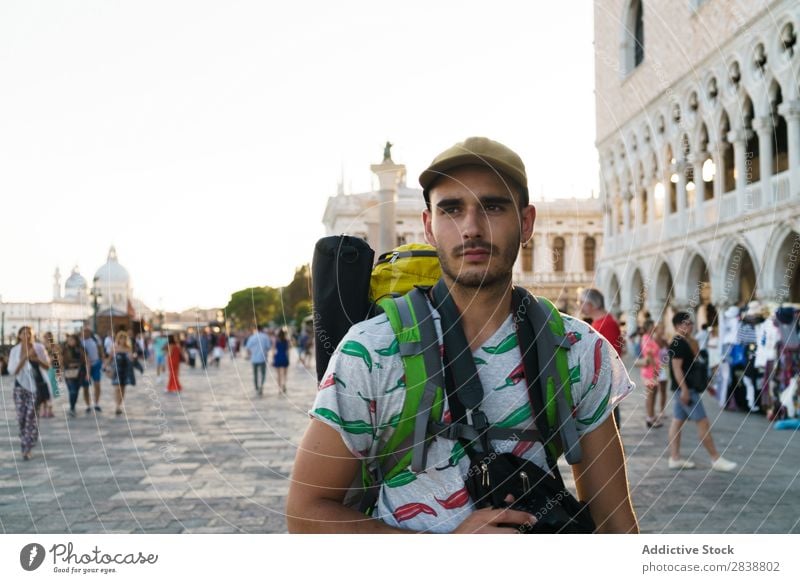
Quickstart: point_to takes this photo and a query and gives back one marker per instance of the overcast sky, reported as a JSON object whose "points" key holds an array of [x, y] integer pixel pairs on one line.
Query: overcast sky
{"points": [[204, 138]]}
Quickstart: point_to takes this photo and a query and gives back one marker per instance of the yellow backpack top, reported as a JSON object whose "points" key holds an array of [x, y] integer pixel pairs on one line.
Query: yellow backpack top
{"points": [[398, 271]]}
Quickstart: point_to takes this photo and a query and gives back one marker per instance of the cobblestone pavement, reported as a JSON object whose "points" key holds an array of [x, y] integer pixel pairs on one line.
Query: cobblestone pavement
{"points": [[217, 458]]}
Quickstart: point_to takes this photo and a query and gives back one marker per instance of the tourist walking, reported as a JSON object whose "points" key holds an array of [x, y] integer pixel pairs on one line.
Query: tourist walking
{"points": [[174, 359], [120, 363], [26, 361], [75, 373], [281, 360], [257, 346], [206, 344], [650, 372], [160, 355], [94, 365], [689, 380], [54, 355]]}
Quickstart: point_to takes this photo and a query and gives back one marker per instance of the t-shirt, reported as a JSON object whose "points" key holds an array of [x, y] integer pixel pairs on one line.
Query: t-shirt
{"points": [[159, 346], [25, 376], [91, 348], [680, 348], [258, 345], [607, 326], [362, 393], [650, 349], [767, 337]]}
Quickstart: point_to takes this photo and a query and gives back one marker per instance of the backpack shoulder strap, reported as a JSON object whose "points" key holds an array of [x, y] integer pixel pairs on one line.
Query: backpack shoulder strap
{"points": [[417, 342], [551, 348]]}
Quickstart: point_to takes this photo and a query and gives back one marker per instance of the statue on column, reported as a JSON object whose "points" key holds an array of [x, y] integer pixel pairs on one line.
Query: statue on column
{"points": [[387, 151]]}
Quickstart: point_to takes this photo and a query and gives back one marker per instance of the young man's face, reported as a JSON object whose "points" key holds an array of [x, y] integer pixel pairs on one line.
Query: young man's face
{"points": [[476, 224]]}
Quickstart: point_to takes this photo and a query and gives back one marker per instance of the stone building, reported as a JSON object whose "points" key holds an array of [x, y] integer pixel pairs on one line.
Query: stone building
{"points": [[698, 133]]}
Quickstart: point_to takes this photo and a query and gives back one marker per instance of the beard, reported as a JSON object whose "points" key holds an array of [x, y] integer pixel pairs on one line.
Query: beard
{"points": [[495, 273]]}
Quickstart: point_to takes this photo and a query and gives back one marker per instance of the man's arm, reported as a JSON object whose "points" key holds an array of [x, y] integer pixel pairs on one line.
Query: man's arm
{"points": [[324, 470], [601, 480], [677, 371]]}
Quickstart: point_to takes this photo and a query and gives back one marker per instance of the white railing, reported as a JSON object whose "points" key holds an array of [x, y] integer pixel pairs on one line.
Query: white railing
{"points": [[672, 225], [781, 187], [728, 206], [752, 198], [710, 212], [564, 277]]}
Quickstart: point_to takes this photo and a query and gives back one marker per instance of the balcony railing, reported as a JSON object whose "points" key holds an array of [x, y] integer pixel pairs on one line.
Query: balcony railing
{"points": [[711, 213], [781, 187]]}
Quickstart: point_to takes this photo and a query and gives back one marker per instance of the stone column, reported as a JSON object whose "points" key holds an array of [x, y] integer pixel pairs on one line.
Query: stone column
{"points": [[626, 212], [606, 219], [651, 203], [576, 265], [697, 160], [638, 214], [764, 128], [614, 220], [389, 176], [739, 138], [680, 170], [791, 112], [717, 151]]}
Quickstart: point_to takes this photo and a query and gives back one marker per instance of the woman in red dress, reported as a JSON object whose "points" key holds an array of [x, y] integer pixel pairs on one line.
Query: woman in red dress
{"points": [[174, 358]]}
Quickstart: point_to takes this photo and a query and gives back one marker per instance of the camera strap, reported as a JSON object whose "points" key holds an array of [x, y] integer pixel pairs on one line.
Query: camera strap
{"points": [[463, 385]]}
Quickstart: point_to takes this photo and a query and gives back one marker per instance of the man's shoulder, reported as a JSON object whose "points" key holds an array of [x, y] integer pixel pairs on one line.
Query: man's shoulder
{"points": [[576, 330], [376, 326]]}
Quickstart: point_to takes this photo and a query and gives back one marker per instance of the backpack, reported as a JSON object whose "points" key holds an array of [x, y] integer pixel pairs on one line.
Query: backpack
{"points": [[346, 286], [397, 286]]}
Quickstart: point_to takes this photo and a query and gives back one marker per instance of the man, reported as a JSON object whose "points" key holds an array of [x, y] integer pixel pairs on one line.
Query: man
{"points": [[477, 216], [683, 352], [160, 354], [94, 364], [592, 307], [258, 345]]}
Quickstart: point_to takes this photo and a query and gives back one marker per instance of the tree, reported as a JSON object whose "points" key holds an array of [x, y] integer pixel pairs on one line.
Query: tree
{"points": [[301, 310], [251, 306], [269, 305], [299, 290]]}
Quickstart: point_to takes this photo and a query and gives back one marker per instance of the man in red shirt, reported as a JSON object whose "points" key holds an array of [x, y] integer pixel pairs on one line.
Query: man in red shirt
{"points": [[593, 307]]}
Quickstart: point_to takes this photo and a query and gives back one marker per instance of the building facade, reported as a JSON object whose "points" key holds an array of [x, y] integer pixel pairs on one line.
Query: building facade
{"points": [[698, 133], [72, 308], [557, 262]]}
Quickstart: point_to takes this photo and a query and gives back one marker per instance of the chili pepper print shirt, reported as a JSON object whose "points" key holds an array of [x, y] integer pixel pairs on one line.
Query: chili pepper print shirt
{"points": [[361, 396]]}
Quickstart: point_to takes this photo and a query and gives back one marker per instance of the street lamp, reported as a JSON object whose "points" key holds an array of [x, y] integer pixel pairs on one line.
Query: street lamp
{"points": [[96, 295]]}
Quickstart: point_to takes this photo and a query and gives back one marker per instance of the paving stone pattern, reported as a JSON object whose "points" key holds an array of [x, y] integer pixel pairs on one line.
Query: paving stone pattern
{"points": [[217, 459]]}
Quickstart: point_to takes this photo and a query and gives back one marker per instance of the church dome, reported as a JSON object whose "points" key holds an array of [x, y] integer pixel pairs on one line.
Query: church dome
{"points": [[75, 281], [112, 272]]}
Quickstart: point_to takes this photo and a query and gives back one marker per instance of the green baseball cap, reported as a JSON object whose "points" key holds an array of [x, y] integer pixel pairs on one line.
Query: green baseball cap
{"points": [[478, 151]]}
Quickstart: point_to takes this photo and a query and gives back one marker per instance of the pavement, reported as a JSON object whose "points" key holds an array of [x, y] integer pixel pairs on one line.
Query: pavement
{"points": [[217, 459]]}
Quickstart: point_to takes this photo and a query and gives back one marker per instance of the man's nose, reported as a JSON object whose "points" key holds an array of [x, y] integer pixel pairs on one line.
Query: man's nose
{"points": [[474, 223]]}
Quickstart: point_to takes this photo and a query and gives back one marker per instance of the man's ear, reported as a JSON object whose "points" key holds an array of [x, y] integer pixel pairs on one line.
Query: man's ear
{"points": [[528, 218], [427, 225]]}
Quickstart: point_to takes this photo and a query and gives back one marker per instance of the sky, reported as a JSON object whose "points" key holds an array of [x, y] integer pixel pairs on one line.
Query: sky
{"points": [[203, 138]]}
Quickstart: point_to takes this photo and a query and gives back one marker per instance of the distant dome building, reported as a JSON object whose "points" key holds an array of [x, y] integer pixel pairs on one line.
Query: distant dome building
{"points": [[76, 289], [114, 284]]}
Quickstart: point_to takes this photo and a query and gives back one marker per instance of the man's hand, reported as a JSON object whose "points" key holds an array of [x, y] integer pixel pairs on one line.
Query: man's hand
{"points": [[495, 521], [685, 397]]}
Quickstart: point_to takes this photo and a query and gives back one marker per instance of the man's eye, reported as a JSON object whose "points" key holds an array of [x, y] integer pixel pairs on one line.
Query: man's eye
{"points": [[449, 210]]}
